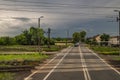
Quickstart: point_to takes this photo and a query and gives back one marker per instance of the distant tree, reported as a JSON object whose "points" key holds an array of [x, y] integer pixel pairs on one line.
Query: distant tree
{"points": [[52, 41], [104, 39], [7, 41], [34, 35], [21, 39], [76, 37], [82, 36], [27, 37], [94, 42], [88, 41], [30, 36]]}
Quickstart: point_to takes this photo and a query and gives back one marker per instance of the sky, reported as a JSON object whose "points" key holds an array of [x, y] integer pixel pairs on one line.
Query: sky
{"points": [[62, 16]]}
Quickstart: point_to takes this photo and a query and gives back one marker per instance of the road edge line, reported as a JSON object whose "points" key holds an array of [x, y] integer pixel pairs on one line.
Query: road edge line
{"points": [[56, 65], [29, 77], [104, 61]]}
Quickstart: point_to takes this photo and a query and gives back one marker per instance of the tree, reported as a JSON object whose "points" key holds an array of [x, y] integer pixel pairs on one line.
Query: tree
{"points": [[27, 37], [21, 39], [104, 39], [76, 37], [34, 35], [7, 41], [82, 36], [30, 36]]}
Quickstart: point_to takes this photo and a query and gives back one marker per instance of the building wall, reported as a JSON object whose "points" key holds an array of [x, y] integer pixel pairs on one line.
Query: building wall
{"points": [[113, 40]]}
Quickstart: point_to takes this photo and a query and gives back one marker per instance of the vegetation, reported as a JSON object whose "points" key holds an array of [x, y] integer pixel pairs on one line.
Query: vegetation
{"points": [[106, 50], [104, 39], [79, 36], [91, 41], [6, 76], [27, 37], [28, 48], [22, 57], [76, 37], [82, 36], [54, 48]]}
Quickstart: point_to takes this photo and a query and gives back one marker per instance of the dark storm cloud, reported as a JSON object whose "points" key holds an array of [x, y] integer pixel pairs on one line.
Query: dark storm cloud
{"points": [[24, 19], [39, 3]]}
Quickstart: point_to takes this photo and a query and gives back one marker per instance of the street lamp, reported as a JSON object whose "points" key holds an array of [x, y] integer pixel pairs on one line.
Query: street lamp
{"points": [[118, 19], [39, 21], [39, 39]]}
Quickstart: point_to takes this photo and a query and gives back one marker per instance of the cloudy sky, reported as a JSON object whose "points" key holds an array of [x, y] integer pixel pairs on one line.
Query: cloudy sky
{"points": [[93, 16]]}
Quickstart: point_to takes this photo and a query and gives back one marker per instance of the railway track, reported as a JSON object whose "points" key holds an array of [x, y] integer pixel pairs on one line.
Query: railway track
{"points": [[16, 68]]}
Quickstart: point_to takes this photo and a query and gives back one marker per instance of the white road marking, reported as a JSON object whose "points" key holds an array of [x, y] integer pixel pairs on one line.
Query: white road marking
{"points": [[29, 77], [85, 70], [104, 61], [56, 65]]}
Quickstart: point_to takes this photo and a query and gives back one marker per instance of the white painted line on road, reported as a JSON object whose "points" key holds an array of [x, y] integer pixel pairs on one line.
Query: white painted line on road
{"points": [[104, 61], [56, 65], [29, 77], [85, 70]]}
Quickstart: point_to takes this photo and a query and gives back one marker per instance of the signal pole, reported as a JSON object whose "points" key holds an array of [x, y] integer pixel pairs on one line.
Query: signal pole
{"points": [[118, 20], [49, 31]]}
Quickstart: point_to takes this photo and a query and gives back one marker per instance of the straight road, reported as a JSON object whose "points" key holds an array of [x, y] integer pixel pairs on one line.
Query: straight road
{"points": [[75, 63]]}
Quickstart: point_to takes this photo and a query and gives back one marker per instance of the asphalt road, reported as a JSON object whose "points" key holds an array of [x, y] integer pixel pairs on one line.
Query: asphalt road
{"points": [[75, 63]]}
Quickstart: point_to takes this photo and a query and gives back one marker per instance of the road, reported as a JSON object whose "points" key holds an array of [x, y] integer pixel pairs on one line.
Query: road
{"points": [[75, 63]]}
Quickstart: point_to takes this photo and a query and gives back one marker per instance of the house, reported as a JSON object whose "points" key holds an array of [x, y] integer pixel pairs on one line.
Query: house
{"points": [[114, 40], [97, 38]]}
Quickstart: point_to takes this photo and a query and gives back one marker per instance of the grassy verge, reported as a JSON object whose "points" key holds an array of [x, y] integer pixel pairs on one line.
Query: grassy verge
{"points": [[21, 59], [6, 76], [106, 50], [116, 58], [18, 48], [53, 48], [29, 48]]}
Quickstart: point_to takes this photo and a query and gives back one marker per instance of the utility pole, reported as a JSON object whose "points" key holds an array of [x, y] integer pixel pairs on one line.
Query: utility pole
{"points": [[67, 33], [118, 20], [49, 31], [39, 39]]}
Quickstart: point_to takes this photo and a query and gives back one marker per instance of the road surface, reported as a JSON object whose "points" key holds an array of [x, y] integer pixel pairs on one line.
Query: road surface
{"points": [[75, 63]]}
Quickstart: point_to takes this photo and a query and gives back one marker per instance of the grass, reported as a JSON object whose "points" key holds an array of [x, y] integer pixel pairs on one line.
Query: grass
{"points": [[106, 50], [18, 48], [116, 58], [53, 48], [24, 55], [29, 48], [6, 76], [21, 57]]}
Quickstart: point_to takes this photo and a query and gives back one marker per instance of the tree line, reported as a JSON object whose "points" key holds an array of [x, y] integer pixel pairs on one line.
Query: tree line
{"points": [[27, 37], [81, 37]]}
